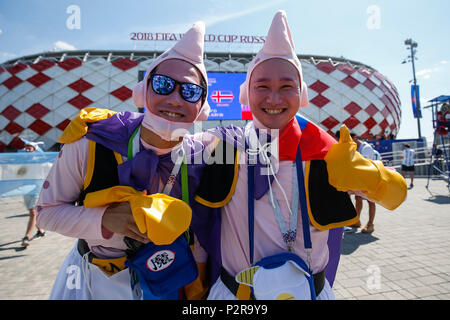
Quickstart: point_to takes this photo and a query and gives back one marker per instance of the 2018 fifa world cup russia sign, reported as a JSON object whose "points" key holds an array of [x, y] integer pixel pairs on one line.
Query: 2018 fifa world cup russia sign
{"points": [[218, 38]]}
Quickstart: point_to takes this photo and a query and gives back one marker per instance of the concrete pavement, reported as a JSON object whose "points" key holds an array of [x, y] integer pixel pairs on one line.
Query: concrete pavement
{"points": [[407, 257]]}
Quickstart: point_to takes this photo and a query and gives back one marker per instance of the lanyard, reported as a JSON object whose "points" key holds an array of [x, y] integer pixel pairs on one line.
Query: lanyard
{"points": [[133, 148], [289, 235], [302, 199]]}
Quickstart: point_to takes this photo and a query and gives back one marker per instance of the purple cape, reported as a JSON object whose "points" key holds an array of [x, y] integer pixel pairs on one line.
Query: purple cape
{"points": [[145, 170]]}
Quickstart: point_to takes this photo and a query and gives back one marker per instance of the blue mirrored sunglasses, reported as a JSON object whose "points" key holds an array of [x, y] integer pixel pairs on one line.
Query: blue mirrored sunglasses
{"points": [[165, 85]]}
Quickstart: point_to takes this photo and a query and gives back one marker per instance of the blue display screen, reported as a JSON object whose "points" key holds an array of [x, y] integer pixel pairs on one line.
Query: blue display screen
{"points": [[223, 96]]}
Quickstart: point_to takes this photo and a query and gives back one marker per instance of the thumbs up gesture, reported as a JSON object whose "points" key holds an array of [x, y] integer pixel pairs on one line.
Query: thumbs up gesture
{"points": [[349, 170]]}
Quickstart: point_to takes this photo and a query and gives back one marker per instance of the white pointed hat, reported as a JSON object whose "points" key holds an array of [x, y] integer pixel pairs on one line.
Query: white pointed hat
{"points": [[189, 48], [278, 44]]}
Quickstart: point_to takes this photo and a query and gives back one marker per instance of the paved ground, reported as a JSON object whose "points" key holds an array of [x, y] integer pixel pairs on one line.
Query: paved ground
{"points": [[407, 257]]}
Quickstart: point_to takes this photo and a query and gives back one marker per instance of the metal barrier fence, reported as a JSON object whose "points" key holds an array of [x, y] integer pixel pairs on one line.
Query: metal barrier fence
{"points": [[422, 159]]}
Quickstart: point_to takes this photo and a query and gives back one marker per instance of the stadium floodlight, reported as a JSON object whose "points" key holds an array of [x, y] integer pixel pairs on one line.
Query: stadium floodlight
{"points": [[411, 45], [411, 42]]}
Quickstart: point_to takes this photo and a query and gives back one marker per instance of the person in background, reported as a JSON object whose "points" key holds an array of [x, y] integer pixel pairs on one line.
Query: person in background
{"points": [[366, 150], [30, 202], [408, 163]]}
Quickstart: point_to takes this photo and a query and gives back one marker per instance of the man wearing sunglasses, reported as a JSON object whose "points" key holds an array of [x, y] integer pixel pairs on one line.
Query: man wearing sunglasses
{"points": [[87, 194]]}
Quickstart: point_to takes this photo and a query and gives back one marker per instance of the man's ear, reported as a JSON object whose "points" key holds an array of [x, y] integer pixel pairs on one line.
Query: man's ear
{"points": [[139, 94]]}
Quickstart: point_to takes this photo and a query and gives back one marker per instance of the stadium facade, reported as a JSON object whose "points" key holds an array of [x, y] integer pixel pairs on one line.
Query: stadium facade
{"points": [[40, 93]]}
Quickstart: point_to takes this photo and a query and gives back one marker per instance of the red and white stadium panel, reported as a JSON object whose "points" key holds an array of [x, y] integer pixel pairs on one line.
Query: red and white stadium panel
{"points": [[37, 100], [365, 101]]}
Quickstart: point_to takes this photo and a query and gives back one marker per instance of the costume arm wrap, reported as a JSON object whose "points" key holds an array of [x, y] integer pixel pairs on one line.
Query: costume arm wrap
{"points": [[349, 170], [78, 127]]}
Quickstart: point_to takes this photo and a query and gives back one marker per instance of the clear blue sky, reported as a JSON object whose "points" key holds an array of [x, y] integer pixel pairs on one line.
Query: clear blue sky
{"points": [[335, 28]]}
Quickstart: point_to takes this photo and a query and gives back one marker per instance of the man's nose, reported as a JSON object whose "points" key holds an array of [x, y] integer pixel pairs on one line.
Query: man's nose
{"points": [[274, 97], [175, 99]]}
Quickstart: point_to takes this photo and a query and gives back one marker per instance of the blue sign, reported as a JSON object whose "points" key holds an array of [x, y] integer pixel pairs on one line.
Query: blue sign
{"points": [[23, 173], [223, 96], [416, 104]]}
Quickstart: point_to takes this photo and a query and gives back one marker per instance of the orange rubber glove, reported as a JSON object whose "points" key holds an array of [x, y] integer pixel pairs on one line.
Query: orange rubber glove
{"points": [[349, 170]]}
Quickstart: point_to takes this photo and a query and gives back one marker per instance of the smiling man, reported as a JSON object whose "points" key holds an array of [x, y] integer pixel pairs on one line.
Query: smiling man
{"points": [[271, 220], [274, 93], [108, 157]]}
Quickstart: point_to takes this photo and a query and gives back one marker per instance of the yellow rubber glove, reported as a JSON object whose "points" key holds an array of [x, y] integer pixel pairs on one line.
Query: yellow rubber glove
{"points": [[77, 128], [162, 217], [349, 170]]}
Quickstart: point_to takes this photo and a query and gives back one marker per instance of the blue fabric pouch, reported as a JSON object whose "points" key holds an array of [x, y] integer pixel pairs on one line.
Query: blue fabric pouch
{"points": [[162, 270]]}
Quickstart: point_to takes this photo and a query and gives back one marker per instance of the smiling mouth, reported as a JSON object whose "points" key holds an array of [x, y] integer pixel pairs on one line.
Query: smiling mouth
{"points": [[274, 111], [173, 115]]}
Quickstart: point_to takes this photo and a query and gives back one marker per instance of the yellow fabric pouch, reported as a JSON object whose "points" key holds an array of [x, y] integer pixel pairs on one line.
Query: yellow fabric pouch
{"points": [[349, 170], [77, 128], [162, 217]]}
